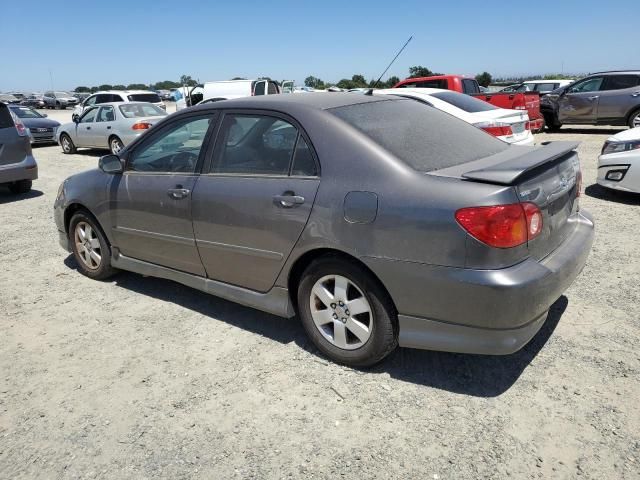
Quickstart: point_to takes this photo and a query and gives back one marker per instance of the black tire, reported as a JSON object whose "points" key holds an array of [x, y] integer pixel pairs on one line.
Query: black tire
{"points": [[634, 117], [383, 324], [58, 106], [104, 269], [115, 145], [21, 186], [551, 122], [67, 144]]}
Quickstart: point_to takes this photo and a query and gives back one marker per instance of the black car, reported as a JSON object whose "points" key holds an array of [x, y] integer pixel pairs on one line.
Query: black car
{"points": [[40, 128]]}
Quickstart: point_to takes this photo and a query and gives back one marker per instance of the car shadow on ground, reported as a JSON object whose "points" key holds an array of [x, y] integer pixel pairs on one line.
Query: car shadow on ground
{"points": [[610, 195], [7, 197], [476, 375]]}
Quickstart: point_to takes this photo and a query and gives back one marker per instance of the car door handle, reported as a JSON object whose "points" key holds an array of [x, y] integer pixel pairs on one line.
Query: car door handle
{"points": [[108, 127], [178, 193], [635, 94], [288, 201], [88, 128], [594, 97]]}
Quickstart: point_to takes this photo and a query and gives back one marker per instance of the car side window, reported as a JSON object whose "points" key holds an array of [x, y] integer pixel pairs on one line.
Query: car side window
{"points": [[589, 85], [470, 86], [174, 149], [116, 98], [91, 100], [255, 145], [303, 163], [272, 89], [89, 116], [106, 114], [618, 82], [259, 88]]}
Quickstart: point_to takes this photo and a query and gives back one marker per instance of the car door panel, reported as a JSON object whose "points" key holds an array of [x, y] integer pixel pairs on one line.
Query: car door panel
{"points": [[84, 129], [243, 232], [580, 103], [150, 224], [615, 102], [151, 202]]}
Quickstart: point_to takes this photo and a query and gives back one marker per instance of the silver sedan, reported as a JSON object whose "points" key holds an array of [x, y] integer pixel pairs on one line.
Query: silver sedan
{"points": [[110, 126]]}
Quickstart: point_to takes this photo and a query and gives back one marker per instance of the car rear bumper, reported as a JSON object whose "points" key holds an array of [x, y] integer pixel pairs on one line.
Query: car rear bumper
{"points": [[482, 311], [27, 169]]}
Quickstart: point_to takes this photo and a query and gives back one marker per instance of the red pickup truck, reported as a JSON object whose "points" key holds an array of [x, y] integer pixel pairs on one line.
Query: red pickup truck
{"points": [[529, 101]]}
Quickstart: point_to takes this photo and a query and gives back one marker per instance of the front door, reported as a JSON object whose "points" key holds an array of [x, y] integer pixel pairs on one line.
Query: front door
{"points": [[85, 134], [579, 104], [251, 206], [151, 201], [619, 94]]}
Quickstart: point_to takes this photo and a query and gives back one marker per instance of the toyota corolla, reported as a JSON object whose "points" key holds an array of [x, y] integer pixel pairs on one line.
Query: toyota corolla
{"points": [[377, 220]]}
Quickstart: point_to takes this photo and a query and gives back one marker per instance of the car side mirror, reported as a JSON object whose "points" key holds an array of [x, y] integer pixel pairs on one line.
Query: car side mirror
{"points": [[45, 115], [111, 164], [75, 118]]}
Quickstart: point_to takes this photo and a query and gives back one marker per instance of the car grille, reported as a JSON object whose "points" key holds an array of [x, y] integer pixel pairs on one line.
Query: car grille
{"points": [[43, 134]]}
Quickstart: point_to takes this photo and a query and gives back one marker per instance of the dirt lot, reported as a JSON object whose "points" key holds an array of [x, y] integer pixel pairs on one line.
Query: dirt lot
{"points": [[143, 378]]}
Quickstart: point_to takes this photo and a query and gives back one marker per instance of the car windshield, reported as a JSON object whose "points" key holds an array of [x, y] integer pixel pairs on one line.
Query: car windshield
{"points": [[424, 137], [144, 97], [62, 94], [7, 97], [464, 102], [26, 112], [141, 110]]}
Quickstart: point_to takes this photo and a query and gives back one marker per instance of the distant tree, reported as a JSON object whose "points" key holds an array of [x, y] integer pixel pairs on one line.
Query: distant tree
{"points": [[188, 81], [119, 87], [105, 86], [137, 86], [345, 83], [94, 89], [419, 71], [238, 78], [314, 82], [484, 79], [165, 85], [391, 81], [558, 76], [358, 81], [82, 89]]}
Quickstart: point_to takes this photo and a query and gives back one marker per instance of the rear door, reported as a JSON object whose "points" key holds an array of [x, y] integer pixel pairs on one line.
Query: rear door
{"points": [[619, 94], [579, 103], [254, 200], [103, 125], [12, 146]]}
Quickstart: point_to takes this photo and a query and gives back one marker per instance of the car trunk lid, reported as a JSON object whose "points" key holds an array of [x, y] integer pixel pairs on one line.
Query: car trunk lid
{"points": [[548, 176]]}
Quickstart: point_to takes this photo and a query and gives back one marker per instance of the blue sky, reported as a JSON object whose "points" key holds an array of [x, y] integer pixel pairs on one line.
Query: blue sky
{"points": [[137, 41]]}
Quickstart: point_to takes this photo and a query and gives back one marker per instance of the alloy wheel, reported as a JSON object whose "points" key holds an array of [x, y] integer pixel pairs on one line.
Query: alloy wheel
{"points": [[341, 312], [88, 246], [66, 145], [635, 123], [116, 146]]}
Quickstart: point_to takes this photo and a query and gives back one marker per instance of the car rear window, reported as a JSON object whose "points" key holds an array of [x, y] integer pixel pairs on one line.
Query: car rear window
{"points": [[144, 97], [464, 102], [6, 120], [141, 110], [424, 137]]}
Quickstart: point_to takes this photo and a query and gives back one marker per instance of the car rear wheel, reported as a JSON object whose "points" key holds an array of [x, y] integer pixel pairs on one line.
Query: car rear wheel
{"points": [[115, 145], [67, 144], [346, 313], [21, 186], [58, 106], [634, 119], [90, 247]]}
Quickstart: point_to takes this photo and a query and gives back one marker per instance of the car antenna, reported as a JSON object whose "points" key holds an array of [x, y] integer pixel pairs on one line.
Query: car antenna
{"points": [[394, 59]]}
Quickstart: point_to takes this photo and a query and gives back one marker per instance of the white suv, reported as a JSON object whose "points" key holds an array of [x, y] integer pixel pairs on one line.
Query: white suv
{"points": [[118, 96]]}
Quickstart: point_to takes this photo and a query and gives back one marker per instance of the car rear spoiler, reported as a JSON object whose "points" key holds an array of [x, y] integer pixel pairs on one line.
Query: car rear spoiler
{"points": [[511, 165]]}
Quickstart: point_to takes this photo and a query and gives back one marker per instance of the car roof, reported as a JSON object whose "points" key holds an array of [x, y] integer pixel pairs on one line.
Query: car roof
{"points": [[614, 72], [312, 100]]}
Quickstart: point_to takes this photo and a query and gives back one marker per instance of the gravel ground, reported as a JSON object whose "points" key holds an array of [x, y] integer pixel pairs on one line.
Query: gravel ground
{"points": [[144, 378]]}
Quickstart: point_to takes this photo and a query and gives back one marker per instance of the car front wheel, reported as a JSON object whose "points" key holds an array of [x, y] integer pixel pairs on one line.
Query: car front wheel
{"points": [[90, 247], [346, 312], [116, 145], [634, 119], [67, 144]]}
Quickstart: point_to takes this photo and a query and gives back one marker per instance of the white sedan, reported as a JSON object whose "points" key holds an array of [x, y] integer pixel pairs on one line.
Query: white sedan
{"points": [[510, 126], [619, 162]]}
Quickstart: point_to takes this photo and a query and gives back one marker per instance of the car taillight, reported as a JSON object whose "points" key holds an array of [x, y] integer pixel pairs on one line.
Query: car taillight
{"points": [[141, 126], [497, 129], [22, 130], [502, 226]]}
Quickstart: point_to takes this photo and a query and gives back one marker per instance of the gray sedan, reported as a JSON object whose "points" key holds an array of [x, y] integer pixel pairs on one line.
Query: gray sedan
{"points": [[111, 126], [377, 220]]}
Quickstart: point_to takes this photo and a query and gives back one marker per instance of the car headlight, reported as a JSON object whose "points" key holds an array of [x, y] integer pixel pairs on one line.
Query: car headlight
{"points": [[617, 147]]}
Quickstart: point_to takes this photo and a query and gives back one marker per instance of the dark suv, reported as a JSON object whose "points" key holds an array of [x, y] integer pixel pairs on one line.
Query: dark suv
{"points": [[17, 165], [606, 98]]}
